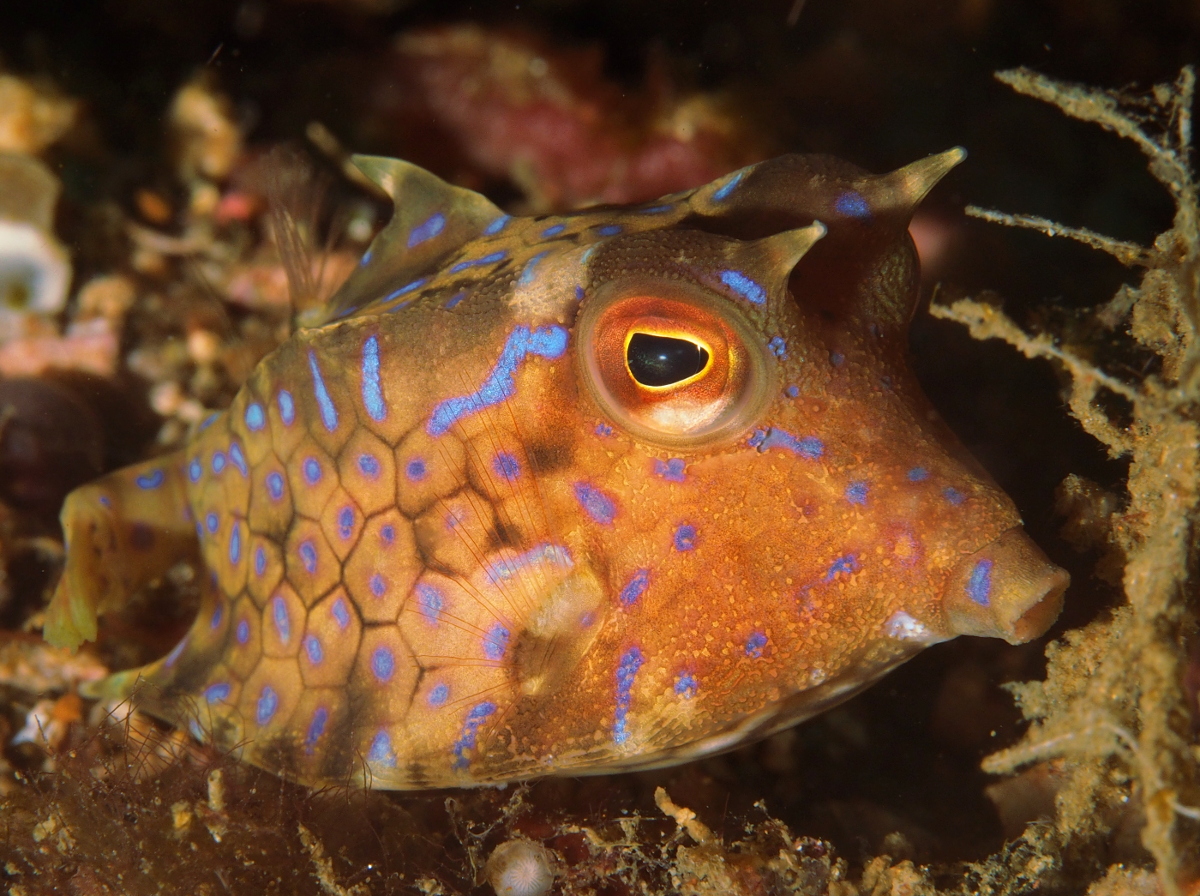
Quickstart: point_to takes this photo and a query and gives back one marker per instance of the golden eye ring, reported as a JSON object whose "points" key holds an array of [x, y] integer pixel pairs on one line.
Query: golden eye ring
{"points": [[725, 372]]}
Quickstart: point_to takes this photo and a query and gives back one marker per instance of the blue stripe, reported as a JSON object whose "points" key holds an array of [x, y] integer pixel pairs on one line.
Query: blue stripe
{"points": [[372, 393], [329, 414], [744, 287]]}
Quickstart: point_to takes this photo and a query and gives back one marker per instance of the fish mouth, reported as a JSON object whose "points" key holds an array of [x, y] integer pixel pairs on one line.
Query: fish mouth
{"points": [[1007, 589]]}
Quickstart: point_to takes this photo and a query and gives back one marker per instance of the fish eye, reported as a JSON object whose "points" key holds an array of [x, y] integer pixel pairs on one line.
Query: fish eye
{"points": [[657, 361], [672, 364]]}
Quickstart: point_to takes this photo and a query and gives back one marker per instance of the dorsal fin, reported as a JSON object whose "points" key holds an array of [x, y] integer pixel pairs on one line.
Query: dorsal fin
{"points": [[430, 219]]}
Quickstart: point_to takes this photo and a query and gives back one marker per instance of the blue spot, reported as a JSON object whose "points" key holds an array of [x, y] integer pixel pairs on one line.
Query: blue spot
{"points": [[260, 561], [953, 495], [387, 533], [496, 226], [428, 230], [837, 359], [312, 470], [809, 446], [627, 669], [744, 287], [235, 543], [596, 504], [287, 407], [151, 480], [383, 664], [255, 418], [312, 647], [316, 728], [329, 415], [366, 259], [242, 632], [341, 614], [268, 702], [506, 466], [455, 299], [345, 521], [856, 492], [603, 430], [722, 193], [308, 556], [372, 392], [217, 616], [755, 644], [195, 470], [218, 462], [670, 469], [479, 713], [528, 272], [553, 230], [381, 752], [685, 537], [609, 229], [845, 564], [635, 588], [791, 391], [853, 204], [686, 686], [368, 465], [211, 522], [579, 293], [415, 469], [656, 209], [377, 584], [217, 693], [547, 342], [979, 584], [275, 485], [495, 642], [279, 615], [778, 347], [439, 694], [430, 602], [405, 290], [238, 459], [918, 474], [208, 421]]}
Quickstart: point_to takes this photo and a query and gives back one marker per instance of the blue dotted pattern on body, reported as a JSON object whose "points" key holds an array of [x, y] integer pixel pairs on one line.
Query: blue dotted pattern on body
{"points": [[595, 503], [547, 342], [427, 230], [479, 713], [807, 446], [627, 669], [329, 414], [745, 287], [372, 389], [979, 583]]}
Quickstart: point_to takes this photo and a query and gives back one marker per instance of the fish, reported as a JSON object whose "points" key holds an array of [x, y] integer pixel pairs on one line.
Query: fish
{"points": [[568, 494]]}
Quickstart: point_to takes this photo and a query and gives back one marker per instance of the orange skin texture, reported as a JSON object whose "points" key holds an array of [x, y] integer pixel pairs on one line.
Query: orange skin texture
{"points": [[453, 540]]}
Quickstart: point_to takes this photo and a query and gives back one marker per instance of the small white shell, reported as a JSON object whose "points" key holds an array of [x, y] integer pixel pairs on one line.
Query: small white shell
{"points": [[520, 868], [35, 269]]}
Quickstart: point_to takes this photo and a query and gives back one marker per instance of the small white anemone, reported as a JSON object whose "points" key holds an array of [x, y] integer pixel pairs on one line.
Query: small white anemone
{"points": [[520, 868], [35, 270]]}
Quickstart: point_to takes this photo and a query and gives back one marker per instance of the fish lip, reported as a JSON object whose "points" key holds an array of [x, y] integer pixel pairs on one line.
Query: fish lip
{"points": [[1007, 589]]}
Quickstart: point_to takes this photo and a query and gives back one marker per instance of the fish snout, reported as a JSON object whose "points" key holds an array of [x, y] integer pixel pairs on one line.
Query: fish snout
{"points": [[1007, 589]]}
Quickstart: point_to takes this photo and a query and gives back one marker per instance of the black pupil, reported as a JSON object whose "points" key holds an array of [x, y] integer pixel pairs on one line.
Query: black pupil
{"points": [[663, 360]]}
